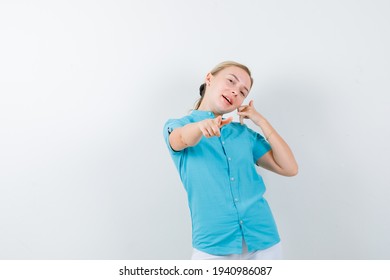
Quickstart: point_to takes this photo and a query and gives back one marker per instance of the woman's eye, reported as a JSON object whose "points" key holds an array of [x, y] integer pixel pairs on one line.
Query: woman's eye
{"points": [[243, 94], [230, 81]]}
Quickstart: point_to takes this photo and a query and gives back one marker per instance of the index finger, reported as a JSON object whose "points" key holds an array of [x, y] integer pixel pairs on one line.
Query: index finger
{"points": [[226, 121], [242, 107]]}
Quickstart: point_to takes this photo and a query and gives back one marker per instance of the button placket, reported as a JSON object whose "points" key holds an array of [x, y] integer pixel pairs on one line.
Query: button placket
{"points": [[232, 175]]}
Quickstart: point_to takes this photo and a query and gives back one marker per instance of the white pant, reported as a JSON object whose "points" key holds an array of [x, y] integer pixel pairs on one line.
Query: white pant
{"points": [[272, 253]]}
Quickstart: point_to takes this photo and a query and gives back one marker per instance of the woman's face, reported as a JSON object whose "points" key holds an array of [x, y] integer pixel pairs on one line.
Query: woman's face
{"points": [[226, 90]]}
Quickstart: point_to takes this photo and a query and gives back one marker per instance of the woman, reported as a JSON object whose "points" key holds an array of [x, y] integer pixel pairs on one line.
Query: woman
{"points": [[216, 161]]}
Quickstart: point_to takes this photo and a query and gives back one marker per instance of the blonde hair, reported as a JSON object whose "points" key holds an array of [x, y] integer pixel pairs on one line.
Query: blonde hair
{"points": [[214, 71]]}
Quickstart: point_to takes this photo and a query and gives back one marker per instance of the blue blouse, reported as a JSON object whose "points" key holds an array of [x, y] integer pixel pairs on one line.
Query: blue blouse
{"points": [[225, 192]]}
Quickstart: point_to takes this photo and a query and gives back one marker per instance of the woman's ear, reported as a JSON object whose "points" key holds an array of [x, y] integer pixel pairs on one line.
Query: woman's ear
{"points": [[208, 79]]}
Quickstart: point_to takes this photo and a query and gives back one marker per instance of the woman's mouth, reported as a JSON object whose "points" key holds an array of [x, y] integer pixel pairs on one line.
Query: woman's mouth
{"points": [[227, 99]]}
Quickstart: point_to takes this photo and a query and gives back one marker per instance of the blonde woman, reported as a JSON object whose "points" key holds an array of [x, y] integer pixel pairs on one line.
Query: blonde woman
{"points": [[216, 161]]}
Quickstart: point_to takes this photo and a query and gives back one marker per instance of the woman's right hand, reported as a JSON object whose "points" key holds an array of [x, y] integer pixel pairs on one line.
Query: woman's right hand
{"points": [[211, 127], [190, 134]]}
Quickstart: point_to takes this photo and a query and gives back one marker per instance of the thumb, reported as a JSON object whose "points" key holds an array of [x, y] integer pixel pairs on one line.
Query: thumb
{"points": [[225, 122], [218, 120], [251, 103]]}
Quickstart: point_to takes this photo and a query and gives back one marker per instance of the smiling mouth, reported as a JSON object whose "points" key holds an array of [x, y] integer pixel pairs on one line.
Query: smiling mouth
{"points": [[227, 99]]}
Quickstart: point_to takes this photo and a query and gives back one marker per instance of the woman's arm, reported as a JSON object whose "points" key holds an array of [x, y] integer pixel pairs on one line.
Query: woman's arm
{"points": [[280, 158], [190, 134]]}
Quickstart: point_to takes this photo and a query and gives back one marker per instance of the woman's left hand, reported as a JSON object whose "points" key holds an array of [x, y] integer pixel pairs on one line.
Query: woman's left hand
{"points": [[249, 112], [280, 158]]}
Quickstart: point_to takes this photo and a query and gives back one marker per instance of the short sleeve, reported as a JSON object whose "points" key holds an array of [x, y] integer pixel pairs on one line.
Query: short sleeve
{"points": [[260, 146], [169, 126]]}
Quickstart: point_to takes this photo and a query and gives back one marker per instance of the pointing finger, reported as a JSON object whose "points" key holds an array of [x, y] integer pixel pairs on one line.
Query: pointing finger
{"points": [[225, 122]]}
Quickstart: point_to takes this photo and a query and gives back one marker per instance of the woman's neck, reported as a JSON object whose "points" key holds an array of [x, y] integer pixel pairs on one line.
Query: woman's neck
{"points": [[205, 107]]}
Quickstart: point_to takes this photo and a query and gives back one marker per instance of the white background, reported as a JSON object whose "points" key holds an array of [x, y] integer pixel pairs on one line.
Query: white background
{"points": [[86, 87]]}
